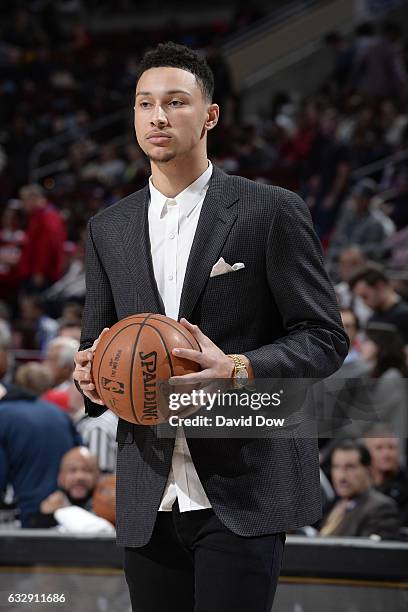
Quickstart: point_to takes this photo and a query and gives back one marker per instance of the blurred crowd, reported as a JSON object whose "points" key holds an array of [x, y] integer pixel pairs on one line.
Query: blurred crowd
{"points": [[68, 151]]}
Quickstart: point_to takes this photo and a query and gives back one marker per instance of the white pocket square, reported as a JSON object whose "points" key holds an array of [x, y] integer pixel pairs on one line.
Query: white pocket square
{"points": [[222, 267]]}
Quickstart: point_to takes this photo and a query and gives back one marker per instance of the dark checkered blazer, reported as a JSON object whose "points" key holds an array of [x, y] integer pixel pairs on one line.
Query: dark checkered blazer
{"points": [[280, 311]]}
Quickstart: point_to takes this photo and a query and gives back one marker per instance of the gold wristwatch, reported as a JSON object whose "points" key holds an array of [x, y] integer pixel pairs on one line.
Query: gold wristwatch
{"points": [[240, 372]]}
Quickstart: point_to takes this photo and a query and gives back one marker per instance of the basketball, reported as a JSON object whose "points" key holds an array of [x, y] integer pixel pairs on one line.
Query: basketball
{"points": [[133, 358], [104, 498]]}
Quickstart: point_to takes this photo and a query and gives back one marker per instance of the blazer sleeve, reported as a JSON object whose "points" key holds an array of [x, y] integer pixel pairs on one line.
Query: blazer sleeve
{"points": [[315, 343], [99, 310]]}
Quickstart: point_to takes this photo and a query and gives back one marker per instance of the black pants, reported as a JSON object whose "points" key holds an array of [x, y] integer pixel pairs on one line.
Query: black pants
{"points": [[193, 563]]}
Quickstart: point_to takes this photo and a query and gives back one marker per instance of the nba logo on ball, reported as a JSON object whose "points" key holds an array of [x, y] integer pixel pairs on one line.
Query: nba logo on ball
{"points": [[133, 358]]}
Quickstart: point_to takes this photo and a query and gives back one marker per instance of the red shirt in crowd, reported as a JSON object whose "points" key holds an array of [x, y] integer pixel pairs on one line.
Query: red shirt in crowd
{"points": [[43, 251]]}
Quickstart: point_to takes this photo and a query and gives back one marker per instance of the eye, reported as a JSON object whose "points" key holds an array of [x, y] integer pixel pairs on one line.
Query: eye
{"points": [[145, 104], [176, 103]]}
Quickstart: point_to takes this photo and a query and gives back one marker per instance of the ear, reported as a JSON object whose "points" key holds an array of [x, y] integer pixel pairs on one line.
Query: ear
{"points": [[213, 113]]}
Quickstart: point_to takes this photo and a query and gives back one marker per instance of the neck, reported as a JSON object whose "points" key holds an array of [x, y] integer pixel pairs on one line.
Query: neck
{"points": [[379, 478], [171, 178]]}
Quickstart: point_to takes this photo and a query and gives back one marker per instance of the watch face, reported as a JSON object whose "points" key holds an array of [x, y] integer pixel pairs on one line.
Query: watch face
{"points": [[241, 378], [241, 375]]}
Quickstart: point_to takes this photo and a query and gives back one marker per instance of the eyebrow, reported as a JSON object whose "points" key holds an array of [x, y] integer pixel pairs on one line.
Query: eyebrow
{"points": [[170, 91]]}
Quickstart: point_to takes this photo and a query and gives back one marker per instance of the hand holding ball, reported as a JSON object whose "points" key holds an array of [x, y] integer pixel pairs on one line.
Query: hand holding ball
{"points": [[132, 358]]}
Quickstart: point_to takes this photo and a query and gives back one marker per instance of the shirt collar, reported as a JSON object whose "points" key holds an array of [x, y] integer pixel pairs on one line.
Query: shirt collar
{"points": [[186, 199]]}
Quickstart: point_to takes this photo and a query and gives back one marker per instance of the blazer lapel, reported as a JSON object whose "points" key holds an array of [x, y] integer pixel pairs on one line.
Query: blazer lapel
{"points": [[136, 244], [216, 220]]}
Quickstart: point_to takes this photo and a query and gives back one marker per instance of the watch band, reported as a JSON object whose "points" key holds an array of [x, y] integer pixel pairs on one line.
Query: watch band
{"points": [[240, 373]]}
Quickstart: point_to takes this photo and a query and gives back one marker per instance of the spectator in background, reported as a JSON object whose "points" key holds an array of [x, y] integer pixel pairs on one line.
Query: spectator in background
{"points": [[42, 258], [71, 505], [72, 284], [59, 361], [351, 259], [360, 510], [328, 170], [383, 350], [34, 328], [33, 377], [372, 285], [354, 364], [70, 330], [378, 67], [99, 435], [343, 62], [34, 435], [386, 469], [71, 314], [108, 169], [77, 478], [359, 224], [5, 345]]}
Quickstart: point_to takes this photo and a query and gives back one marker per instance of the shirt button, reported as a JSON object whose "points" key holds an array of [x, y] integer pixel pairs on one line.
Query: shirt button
{"points": [[171, 277], [171, 236]]}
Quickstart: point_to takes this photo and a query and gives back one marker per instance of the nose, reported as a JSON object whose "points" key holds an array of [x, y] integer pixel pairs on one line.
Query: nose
{"points": [[159, 117]]}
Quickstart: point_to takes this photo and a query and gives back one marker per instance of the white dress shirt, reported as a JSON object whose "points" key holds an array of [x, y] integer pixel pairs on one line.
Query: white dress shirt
{"points": [[172, 226]]}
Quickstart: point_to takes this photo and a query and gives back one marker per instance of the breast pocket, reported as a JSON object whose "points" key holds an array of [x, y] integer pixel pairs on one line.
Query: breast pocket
{"points": [[229, 278]]}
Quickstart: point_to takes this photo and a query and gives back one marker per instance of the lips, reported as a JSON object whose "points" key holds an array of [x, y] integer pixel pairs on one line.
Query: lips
{"points": [[159, 138]]}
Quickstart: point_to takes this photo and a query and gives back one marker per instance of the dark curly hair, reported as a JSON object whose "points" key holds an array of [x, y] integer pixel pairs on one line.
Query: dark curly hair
{"points": [[179, 56]]}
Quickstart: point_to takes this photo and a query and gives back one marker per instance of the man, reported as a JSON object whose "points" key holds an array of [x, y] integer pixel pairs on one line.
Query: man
{"points": [[5, 344], [42, 258], [34, 435], [350, 259], [36, 328], [328, 169], [70, 507], [360, 224], [206, 518], [360, 510], [374, 288], [77, 478], [354, 365], [386, 471], [59, 361]]}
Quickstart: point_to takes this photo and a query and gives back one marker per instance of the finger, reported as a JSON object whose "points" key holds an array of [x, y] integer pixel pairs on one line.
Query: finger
{"points": [[191, 354], [82, 377], [188, 378], [195, 330], [94, 397], [96, 342], [81, 357], [88, 386]]}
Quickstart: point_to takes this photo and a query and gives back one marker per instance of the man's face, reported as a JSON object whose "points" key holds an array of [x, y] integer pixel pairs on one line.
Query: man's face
{"points": [[349, 476], [348, 262], [385, 454], [78, 474], [58, 372], [171, 114], [371, 296]]}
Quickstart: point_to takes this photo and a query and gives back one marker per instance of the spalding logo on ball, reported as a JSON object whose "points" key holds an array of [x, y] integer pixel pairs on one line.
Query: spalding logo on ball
{"points": [[133, 358]]}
